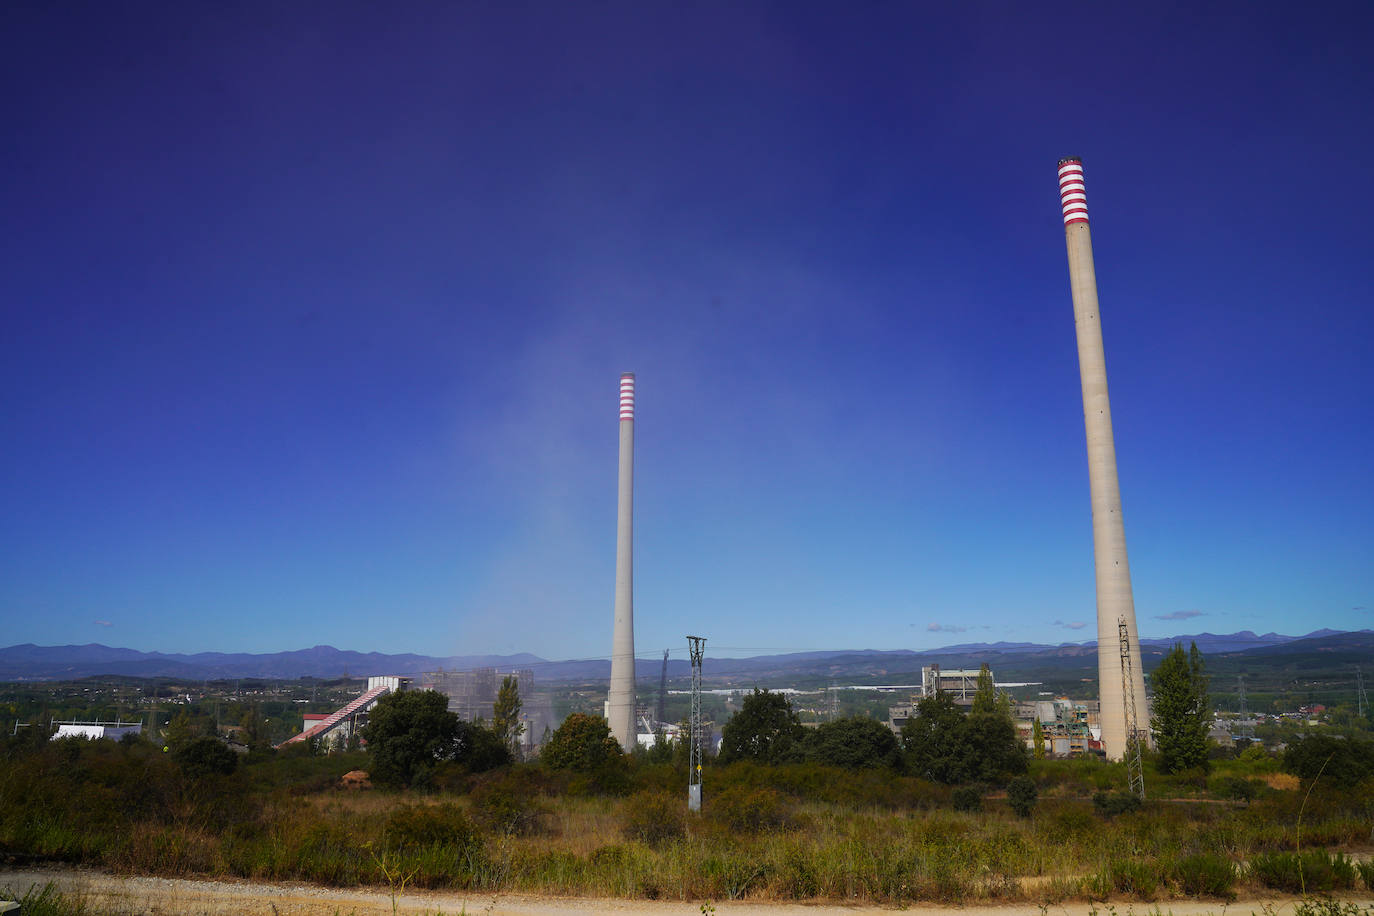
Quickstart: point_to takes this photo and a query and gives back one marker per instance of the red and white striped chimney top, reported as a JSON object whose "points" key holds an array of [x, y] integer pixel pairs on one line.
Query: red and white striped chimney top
{"points": [[627, 396], [1071, 190]]}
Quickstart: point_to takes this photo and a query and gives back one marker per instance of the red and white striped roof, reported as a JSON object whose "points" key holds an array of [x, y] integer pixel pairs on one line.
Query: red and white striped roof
{"points": [[1071, 196], [627, 396]]}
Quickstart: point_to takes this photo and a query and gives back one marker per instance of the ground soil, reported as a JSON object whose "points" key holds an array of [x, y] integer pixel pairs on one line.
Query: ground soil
{"points": [[105, 893]]}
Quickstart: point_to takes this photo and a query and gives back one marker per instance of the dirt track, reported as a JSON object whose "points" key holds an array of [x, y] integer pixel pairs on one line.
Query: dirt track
{"points": [[143, 895]]}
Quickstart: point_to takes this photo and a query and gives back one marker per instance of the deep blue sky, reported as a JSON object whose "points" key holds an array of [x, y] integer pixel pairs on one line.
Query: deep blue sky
{"points": [[314, 315]]}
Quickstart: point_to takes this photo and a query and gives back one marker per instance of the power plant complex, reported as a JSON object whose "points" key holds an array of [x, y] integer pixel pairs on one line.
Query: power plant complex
{"points": [[1123, 708]]}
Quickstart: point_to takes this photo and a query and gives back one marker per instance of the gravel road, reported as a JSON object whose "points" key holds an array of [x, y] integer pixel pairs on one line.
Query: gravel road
{"points": [[128, 896]]}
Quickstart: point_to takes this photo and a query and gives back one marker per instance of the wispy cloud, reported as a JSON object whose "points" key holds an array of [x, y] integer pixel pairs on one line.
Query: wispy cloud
{"points": [[945, 628], [1071, 625], [103, 623], [1179, 615]]}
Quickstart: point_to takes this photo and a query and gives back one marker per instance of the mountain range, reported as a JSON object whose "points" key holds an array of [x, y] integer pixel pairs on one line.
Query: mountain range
{"points": [[1010, 660]]}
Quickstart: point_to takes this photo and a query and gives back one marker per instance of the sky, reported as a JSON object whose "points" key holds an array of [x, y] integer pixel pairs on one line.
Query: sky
{"points": [[314, 315]]}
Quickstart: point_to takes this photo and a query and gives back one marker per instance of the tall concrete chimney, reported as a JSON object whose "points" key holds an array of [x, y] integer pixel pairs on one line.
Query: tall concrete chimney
{"points": [[621, 700], [1115, 605]]}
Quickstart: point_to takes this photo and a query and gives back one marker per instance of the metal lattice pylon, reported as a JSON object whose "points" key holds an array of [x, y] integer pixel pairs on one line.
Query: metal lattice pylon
{"points": [[1361, 698], [1135, 768], [696, 645]]}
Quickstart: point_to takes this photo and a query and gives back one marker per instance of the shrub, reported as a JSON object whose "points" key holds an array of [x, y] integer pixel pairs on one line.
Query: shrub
{"points": [[202, 758], [509, 804], [1314, 871], [1237, 788], [1366, 872], [1021, 795], [1206, 875], [656, 818], [1134, 877], [747, 810], [1110, 804], [419, 826], [967, 798]]}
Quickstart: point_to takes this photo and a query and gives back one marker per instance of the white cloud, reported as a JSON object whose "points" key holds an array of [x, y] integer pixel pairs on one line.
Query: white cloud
{"points": [[1179, 615]]}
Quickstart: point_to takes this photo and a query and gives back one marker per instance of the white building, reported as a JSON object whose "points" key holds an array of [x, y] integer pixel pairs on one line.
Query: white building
{"points": [[93, 730]]}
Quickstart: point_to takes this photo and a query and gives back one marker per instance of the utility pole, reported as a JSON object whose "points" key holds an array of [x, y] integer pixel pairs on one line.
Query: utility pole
{"points": [[1360, 697], [696, 645], [1135, 768], [662, 711], [1243, 725]]}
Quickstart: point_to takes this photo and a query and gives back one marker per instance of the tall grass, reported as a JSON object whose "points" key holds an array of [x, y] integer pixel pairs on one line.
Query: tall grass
{"points": [[799, 832]]}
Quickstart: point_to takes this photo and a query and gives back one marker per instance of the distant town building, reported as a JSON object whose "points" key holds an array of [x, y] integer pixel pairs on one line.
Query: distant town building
{"points": [[92, 730]]}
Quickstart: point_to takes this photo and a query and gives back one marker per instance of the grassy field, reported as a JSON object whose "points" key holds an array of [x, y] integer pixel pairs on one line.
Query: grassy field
{"points": [[796, 832]]}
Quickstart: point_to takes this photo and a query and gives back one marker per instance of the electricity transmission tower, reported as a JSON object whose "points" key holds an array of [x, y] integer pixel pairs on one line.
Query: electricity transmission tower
{"points": [[696, 645], [662, 694], [1135, 768], [1243, 723], [1360, 696]]}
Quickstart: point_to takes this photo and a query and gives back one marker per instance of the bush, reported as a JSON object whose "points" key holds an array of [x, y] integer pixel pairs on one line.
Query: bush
{"points": [[1206, 875], [746, 810], [1314, 871], [656, 818], [418, 826], [967, 798], [1338, 761], [510, 804], [1110, 804], [202, 758], [1237, 788], [1021, 795], [1140, 879], [1366, 872]]}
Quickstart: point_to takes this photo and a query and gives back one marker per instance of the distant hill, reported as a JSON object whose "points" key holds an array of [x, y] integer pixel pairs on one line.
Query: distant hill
{"points": [[31, 662], [1010, 661]]}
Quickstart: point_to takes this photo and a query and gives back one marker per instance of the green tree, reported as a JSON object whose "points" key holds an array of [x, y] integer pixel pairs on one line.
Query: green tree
{"points": [[1338, 762], [180, 730], [1038, 739], [1022, 795], [944, 745], [1182, 711], [582, 744], [934, 740], [985, 697], [479, 748], [202, 758], [853, 743], [995, 751], [255, 729], [765, 729], [407, 733], [505, 715]]}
